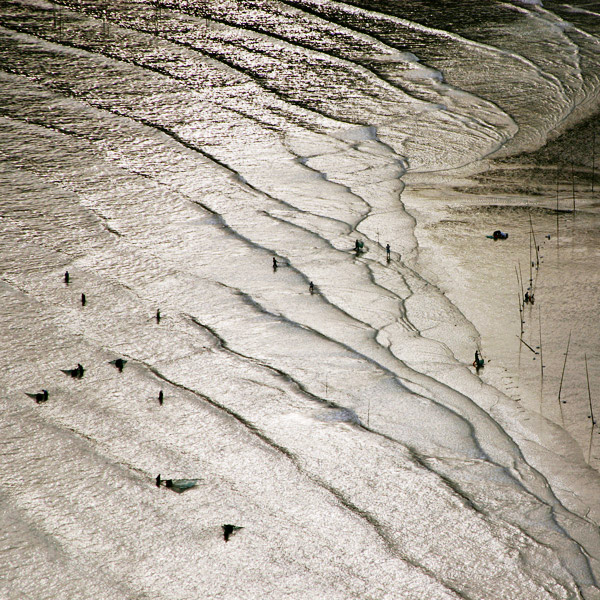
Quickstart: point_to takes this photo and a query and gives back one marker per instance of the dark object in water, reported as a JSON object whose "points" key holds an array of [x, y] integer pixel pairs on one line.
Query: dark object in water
{"points": [[229, 530], [67, 277], [39, 397], [119, 363], [499, 235], [76, 373], [160, 397], [83, 300]]}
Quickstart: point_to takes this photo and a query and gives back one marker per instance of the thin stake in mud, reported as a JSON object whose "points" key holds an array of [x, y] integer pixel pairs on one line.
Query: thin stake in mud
{"points": [[58, 20], [537, 254], [573, 183], [563, 370], [530, 261], [557, 180], [519, 291], [591, 415], [526, 344], [541, 359], [593, 158], [157, 15], [105, 24]]}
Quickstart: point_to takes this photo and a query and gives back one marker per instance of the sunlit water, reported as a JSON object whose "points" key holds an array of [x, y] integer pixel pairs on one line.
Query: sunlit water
{"points": [[164, 156]]}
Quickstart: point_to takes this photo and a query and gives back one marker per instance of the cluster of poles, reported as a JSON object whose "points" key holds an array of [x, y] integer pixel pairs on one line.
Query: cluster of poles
{"points": [[527, 296]]}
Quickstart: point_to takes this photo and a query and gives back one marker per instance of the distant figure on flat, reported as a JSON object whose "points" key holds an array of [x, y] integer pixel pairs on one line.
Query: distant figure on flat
{"points": [[229, 530], [499, 235], [83, 300], [160, 397], [119, 363], [67, 277], [388, 251], [168, 482], [311, 288], [40, 397], [158, 315], [478, 363], [76, 373], [274, 264], [528, 298]]}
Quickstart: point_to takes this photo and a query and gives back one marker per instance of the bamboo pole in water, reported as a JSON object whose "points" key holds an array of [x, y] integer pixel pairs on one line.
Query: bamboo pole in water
{"points": [[563, 370]]}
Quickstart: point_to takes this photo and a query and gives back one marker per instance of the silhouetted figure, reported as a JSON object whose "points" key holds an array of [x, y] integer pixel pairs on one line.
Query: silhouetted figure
{"points": [[311, 287], [274, 264], [228, 530], [169, 483], [39, 397], [160, 397], [158, 316], [76, 373], [158, 480], [119, 363], [388, 251], [67, 277], [478, 362], [83, 300], [356, 247]]}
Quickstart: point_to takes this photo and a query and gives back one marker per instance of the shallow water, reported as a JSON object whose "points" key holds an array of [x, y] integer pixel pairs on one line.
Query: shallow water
{"points": [[163, 157]]}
